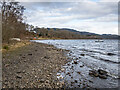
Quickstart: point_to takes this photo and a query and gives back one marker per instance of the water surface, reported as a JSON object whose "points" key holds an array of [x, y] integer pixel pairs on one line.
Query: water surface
{"points": [[95, 57]]}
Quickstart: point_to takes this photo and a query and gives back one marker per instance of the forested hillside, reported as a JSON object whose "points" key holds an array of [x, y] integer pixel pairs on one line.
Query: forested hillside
{"points": [[65, 33]]}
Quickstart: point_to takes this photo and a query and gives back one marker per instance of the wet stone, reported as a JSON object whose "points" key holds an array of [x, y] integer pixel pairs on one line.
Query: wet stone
{"points": [[76, 81], [79, 72], [110, 54], [90, 81], [102, 72], [93, 73], [62, 69], [75, 62], [78, 85], [103, 76], [82, 54], [81, 65], [68, 73]]}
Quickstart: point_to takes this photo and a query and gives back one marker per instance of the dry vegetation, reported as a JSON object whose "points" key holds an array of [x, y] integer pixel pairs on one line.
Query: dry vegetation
{"points": [[13, 25]]}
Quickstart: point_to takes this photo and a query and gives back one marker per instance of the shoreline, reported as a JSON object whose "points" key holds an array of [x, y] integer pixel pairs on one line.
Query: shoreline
{"points": [[33, 66]]}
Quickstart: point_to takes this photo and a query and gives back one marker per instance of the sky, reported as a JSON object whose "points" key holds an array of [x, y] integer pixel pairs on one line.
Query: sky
{"points": [[97, 16]]}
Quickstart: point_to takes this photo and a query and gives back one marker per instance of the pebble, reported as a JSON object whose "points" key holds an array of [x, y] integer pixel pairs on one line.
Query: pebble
{"points": [[19, 76], [30, 54], [47, 81], [102, 72], [81, 65], [103, 76], [23, 57], [42, 80], [18, 71], [46, 57], [62, 69], [68, 73], [79, 72], [6, 65]]}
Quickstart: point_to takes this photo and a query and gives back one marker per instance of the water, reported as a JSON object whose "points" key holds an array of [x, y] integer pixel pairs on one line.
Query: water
{"points": [[95, 57]]}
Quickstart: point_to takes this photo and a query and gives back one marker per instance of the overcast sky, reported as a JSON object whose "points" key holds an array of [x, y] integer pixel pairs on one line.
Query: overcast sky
{"points": [[97, 16]]}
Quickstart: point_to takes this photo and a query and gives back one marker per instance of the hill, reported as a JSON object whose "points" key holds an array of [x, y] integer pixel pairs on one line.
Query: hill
{"points": [[66, 33]]}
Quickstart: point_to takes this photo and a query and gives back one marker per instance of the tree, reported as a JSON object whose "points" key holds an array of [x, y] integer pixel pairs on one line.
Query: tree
{"points": [[12, 20]]}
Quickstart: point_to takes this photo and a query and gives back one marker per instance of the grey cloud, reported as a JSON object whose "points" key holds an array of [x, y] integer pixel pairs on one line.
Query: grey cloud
{"points": [[58, 14]]}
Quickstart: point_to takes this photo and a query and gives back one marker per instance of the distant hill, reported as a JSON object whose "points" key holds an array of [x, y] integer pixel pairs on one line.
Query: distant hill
{"points": [[71, 34], [72, 30]]}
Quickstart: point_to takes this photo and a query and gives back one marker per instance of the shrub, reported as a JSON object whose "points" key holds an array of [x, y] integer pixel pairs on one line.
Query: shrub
{"points": [[5, 47]]}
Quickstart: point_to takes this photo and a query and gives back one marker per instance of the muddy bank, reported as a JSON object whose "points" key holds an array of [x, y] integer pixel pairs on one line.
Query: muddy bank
{"points": [[33, 66]]}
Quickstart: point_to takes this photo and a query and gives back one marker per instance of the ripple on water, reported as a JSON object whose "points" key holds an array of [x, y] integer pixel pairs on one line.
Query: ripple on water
{"points": [[95, 57]]}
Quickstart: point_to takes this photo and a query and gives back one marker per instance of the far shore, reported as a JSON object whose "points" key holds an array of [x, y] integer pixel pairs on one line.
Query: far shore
{"points": [[73, 39]]}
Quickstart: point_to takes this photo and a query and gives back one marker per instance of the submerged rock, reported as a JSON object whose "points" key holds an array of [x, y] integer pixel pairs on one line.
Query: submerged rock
{"points": [[93, 73], [99, 73], [110, 54], [102, 72], [82, 54], [103, 76]]}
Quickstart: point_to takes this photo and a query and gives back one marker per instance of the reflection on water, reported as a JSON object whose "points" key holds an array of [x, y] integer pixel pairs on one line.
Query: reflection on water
{"points": [[89, 55]]}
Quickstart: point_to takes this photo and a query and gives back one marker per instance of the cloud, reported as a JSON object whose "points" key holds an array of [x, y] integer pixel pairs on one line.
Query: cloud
{"points": [[86, 16]]}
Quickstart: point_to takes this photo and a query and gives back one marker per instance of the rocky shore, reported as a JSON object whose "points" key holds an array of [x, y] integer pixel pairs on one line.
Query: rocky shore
{"points": [[33, 66]]}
